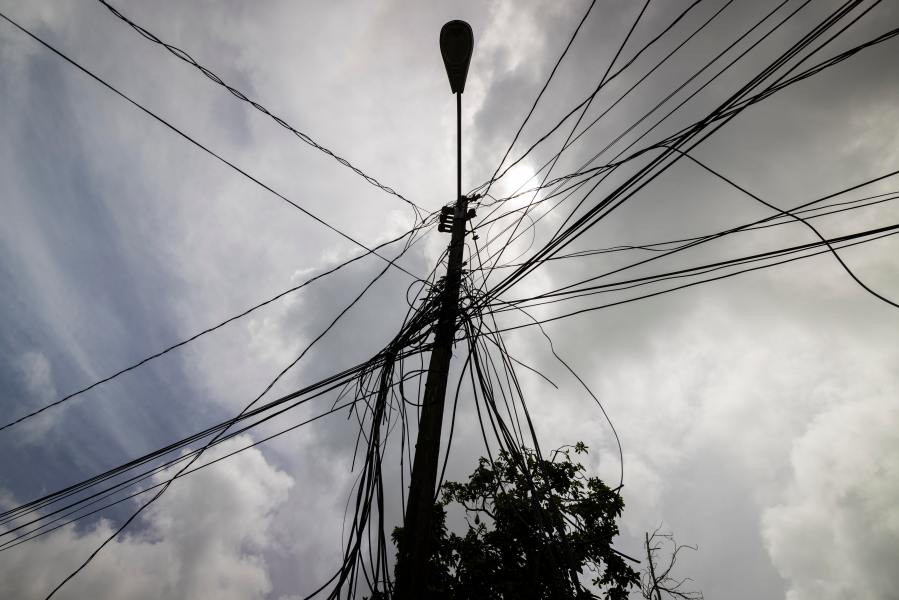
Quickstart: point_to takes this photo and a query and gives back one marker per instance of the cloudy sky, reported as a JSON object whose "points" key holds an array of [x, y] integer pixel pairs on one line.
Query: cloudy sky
{"points": [[759, 415]]}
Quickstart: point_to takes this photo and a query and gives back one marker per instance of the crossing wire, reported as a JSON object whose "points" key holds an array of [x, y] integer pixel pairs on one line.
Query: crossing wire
{"points": [[568, 293], [540, 95], [821, 211], [390, 262], [199, 145], [196, 336], [503, 434], [212, 76], [881, 233], [694, 136], [606, 79], [218, 435]]}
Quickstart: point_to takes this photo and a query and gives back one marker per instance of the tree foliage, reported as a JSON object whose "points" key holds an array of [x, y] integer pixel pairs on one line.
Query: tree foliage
{"points": [[537, 528]]}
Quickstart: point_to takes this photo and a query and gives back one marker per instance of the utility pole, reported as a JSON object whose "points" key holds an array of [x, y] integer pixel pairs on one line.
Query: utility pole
{"points": [[456, 43]]}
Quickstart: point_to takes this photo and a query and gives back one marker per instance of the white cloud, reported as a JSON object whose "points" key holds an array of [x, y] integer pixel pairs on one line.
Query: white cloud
{"points": [[36, 375], [35, 370], [722, 412], [695, 393], [836, 534], [206, 537]]}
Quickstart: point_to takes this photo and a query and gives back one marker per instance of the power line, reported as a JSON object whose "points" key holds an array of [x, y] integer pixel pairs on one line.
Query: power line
{"points": [[890, 231], [747, 226], [197, 335], [605, 170], [184, 135], [799, 219], [633, 184], [581, 170], [608, 168], [239, 170], [108, 492], [540, 95], [305, 138], [589, 99], [265, 412], [218, 435], [568, 292], [820, 211], [494, 382], [602, 82]]}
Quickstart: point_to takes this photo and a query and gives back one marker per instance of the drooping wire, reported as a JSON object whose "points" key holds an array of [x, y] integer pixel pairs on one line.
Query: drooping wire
{"points": [[800, 219], [277, 378], [633, 184], [821, 211], [617, 286]]}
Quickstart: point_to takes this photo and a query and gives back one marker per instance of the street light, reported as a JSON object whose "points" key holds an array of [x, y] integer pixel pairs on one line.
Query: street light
{"points": [[456, 44]]}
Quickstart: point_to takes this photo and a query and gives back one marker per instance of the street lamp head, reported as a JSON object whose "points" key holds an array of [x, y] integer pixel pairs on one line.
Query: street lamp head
{"points": [[456, 43]]}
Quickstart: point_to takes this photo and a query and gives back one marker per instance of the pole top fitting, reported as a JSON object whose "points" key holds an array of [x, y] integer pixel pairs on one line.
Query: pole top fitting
{"points": [[456, 45]]}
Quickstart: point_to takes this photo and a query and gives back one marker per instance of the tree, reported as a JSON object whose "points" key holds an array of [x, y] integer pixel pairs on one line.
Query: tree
{"points": [[656, 579], [534, 527]]}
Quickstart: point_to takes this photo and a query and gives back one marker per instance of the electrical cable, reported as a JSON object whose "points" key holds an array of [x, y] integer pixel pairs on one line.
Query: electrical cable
{"points": [[540, 95], [197, 335], [187, 58], [193, 141], [657, 165], [218, 435]]}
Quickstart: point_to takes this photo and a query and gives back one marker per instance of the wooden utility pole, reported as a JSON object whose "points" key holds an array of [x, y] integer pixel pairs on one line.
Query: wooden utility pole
{"points": [[456, 42]]}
